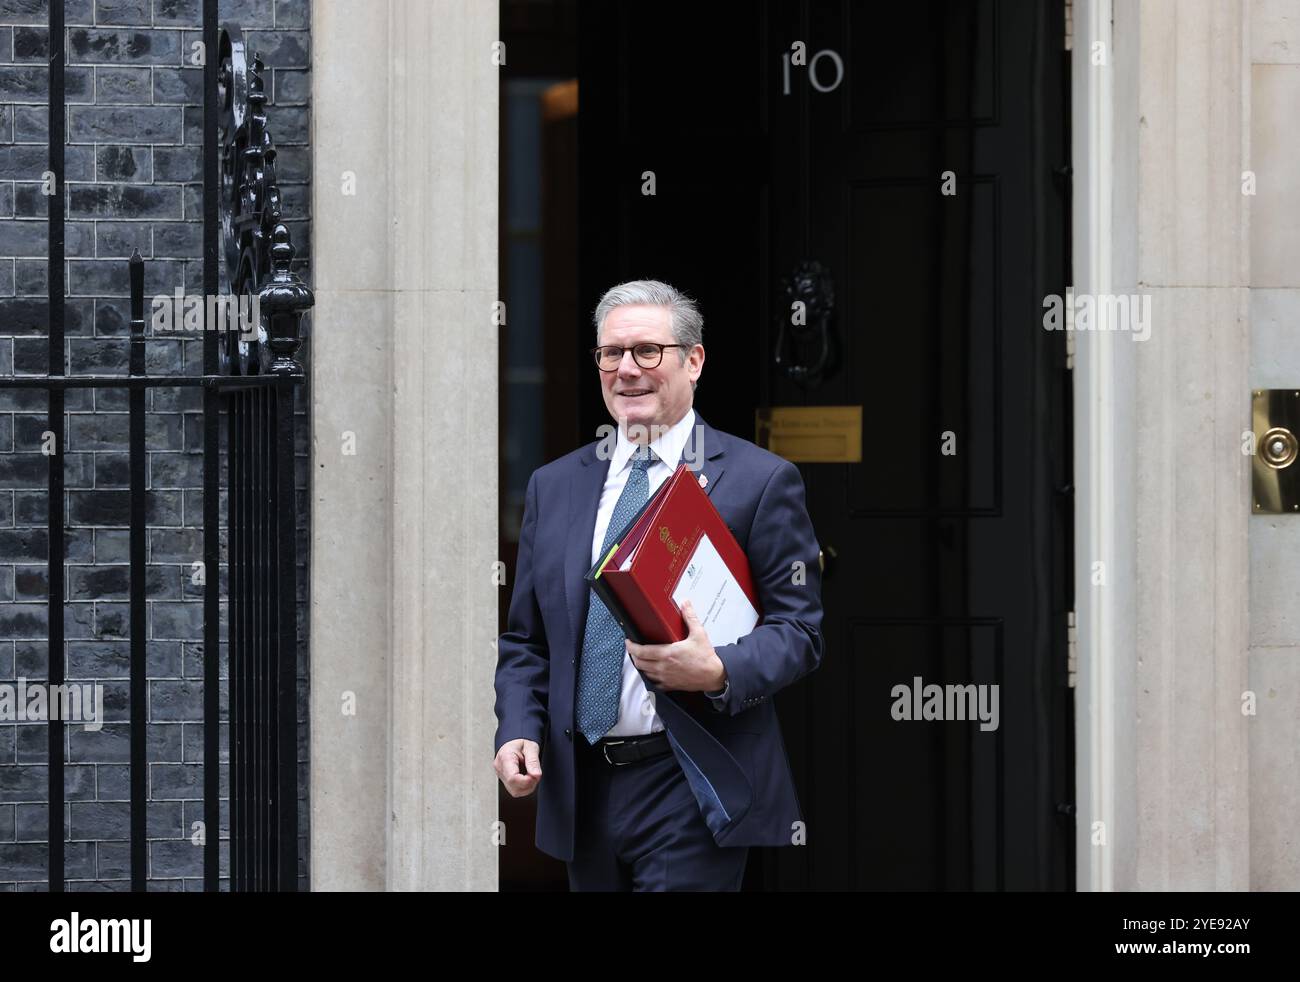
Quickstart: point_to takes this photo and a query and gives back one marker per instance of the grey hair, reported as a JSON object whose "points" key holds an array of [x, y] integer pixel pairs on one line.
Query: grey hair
{"points": [[684, 314]]}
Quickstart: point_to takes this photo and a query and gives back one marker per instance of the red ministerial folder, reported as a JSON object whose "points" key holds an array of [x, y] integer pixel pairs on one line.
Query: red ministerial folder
{"points": [[656, 549]]}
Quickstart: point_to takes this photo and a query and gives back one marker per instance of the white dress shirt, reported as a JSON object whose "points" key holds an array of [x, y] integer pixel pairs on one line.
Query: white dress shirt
{"points": [[636, 715]]}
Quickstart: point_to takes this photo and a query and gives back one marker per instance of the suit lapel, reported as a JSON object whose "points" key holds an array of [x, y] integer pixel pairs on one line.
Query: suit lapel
{"points": [[585, 486], [704, 438]]}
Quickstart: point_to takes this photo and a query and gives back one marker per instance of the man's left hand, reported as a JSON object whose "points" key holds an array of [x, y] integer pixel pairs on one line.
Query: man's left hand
{"points": [[689, 665]]}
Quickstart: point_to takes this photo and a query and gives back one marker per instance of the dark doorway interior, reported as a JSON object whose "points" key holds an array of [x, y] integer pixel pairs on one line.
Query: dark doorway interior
{"points": [[948, 566], [539, 281]]}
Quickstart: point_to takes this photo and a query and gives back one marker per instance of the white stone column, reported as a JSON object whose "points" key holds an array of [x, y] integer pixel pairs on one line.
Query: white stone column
{"points": [[1162, 737], [404, 532]]}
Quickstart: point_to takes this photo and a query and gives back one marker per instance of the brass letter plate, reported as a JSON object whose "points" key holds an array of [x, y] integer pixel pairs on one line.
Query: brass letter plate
{"points": [[1275, 476], [811, 434]]}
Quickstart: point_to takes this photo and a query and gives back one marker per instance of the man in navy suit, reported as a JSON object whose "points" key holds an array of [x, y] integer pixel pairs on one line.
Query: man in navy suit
{"points": [[656, 766]]}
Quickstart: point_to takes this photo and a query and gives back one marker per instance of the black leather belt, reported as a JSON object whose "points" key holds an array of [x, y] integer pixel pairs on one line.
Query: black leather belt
{"points": [[632, 750]]}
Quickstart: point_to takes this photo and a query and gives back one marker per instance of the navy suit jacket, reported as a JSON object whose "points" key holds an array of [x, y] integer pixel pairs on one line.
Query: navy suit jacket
{"points": [[731, 750]]}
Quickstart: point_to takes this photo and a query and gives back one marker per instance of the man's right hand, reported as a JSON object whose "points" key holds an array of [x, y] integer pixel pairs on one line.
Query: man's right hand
{"points": [[518, 764]]}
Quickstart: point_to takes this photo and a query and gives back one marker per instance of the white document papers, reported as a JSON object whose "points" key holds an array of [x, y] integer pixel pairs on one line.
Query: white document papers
{"points": [[627, 563], [719, 602]]}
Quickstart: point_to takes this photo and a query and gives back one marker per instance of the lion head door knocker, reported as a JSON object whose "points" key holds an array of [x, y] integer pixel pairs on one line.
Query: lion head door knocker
{"points": [[804, 325]]}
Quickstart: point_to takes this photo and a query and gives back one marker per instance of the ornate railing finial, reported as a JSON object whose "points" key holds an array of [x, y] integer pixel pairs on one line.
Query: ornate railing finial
{"points": [[283, 302], [257, 247]]}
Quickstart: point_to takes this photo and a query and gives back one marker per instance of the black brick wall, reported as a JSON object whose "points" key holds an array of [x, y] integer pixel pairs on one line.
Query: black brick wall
{"points": [[133, 180]]}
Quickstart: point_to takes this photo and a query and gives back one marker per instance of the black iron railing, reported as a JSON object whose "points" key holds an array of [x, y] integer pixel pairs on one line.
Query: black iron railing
{"points": [[261, 544], [249, 378]]}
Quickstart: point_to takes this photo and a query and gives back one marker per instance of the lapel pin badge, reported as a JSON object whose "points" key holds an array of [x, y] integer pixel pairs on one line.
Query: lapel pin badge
{"points": [[704, 481]]}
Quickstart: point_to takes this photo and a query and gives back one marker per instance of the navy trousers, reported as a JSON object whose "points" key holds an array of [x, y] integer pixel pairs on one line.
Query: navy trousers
{"points": [[639, 828]]}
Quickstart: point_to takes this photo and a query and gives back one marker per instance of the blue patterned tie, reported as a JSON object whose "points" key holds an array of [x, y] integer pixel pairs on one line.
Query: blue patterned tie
{"points": [[600, 674]]}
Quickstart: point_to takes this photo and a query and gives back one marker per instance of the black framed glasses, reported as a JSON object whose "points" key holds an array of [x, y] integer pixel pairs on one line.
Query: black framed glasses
{"points": [[647, 354]]}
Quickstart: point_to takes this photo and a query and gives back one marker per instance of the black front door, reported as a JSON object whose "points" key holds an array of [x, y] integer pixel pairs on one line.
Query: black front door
{"points": [[915, 153]]}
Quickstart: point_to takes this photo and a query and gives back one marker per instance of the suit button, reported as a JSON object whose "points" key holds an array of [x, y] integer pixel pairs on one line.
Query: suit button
{"points": [[568, 733]]}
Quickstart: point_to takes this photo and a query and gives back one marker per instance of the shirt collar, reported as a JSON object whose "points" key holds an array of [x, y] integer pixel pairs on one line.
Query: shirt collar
{"points": [[667, 447]]}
